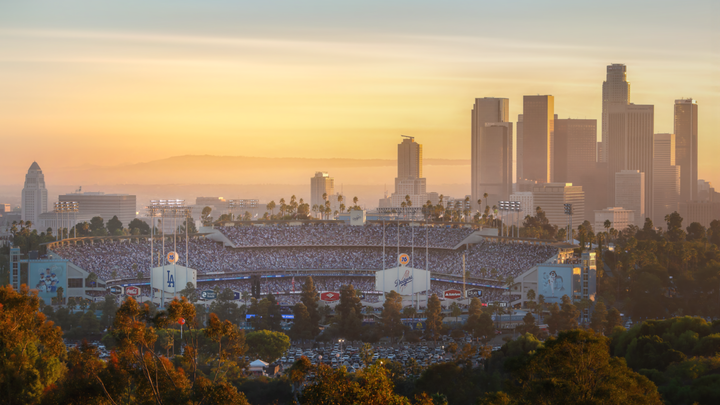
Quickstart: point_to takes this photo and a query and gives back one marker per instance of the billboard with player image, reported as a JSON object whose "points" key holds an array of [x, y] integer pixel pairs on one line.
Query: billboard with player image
{"points": [[554, 282], [46, 277]]}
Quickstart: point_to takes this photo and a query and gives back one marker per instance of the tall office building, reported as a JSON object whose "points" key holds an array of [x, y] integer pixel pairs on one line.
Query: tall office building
{"points": [[630, 193], [491, 154], [34, 195], [104, 205], [409, 181], [575, 143], [519, 149], [615, 90], [552, 197], [686, 147], [666, 176], [630, 147], [321, 184], [537, 139]]}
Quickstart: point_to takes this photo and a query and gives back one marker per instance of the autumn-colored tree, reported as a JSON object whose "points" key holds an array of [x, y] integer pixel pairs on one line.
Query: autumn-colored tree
{"points": [[372, 386], [31, 348]]}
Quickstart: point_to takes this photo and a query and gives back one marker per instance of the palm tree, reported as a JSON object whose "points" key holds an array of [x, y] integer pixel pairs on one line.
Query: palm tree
{"points": [[355, 201], [271, 207], [342, 207]]}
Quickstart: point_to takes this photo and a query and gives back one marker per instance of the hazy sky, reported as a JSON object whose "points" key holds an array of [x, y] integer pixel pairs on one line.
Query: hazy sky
{"points": [[103, 83]]}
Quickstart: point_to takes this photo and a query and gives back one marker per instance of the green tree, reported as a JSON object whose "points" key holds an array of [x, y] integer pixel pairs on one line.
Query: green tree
{"points": [[114, 225], [142, 227], [348, 313], [674, 232], [267, 345], [613, 319], [309, 297], [568, 314], [714, 232], [224, 306], [576, 368], [598, 320], [695, 232], [553, 321], [391, 317], [97, 224], [434, 317], [529, 325], [302, 325], [455, 310], [190, 292]]}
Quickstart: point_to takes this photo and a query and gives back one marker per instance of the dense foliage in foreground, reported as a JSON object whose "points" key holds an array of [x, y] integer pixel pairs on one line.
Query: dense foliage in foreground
{"points": [[676, 361]]}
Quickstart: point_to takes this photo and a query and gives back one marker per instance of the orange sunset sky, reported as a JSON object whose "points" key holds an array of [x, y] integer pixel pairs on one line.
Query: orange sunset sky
{"points": [[95, 83]]}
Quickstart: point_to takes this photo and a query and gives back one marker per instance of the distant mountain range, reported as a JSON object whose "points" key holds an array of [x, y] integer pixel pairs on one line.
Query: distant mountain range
{"points": [[200, 169]]}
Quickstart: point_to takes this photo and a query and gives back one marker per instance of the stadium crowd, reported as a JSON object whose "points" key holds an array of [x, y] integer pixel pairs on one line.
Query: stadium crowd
{"points": [[340, 235], [125, 259]]}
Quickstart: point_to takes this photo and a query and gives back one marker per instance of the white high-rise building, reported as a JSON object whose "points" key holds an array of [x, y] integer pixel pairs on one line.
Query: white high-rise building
{"points": [[321, 184], [492, 150], [630, 147], [34, 195], [409, 182], [630, 193], [552, 197], [666, 177], [619, 218]]}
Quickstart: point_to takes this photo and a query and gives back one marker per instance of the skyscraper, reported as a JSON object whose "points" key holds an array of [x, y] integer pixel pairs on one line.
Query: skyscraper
{"points": [[537, 138], [552, 197], [321, 184], [409, 181], [34, 195], [615, 90], [630, 193], [519, 148], [575, 143], [686, 147], [630, 147], [666, 176], [491, 154]]}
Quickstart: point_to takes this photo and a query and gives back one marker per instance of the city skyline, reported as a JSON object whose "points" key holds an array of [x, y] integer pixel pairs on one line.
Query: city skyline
{"points": [[73, 80]]}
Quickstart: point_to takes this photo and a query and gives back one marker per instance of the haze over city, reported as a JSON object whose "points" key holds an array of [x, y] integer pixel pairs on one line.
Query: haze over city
{"points": [[101, 84], [381, 202]]}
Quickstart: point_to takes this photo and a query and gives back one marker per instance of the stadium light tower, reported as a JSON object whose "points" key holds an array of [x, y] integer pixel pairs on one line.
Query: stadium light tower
{"points": [[167, 209], [569, 213], [62, 208]]}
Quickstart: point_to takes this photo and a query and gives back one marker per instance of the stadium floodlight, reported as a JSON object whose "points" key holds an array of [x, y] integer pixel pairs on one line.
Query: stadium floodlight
{"points": [[569, 212]]}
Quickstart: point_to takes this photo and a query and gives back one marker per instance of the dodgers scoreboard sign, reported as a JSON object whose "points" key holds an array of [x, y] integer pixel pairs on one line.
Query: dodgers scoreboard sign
{"points": [[403, 280]]}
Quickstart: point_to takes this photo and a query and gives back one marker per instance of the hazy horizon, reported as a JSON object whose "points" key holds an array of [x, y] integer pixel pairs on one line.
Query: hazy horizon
{"points": [[94, 84]]}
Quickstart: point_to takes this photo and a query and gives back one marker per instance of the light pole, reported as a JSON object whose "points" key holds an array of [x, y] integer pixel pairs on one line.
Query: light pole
{"points": [[569, 212]]}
